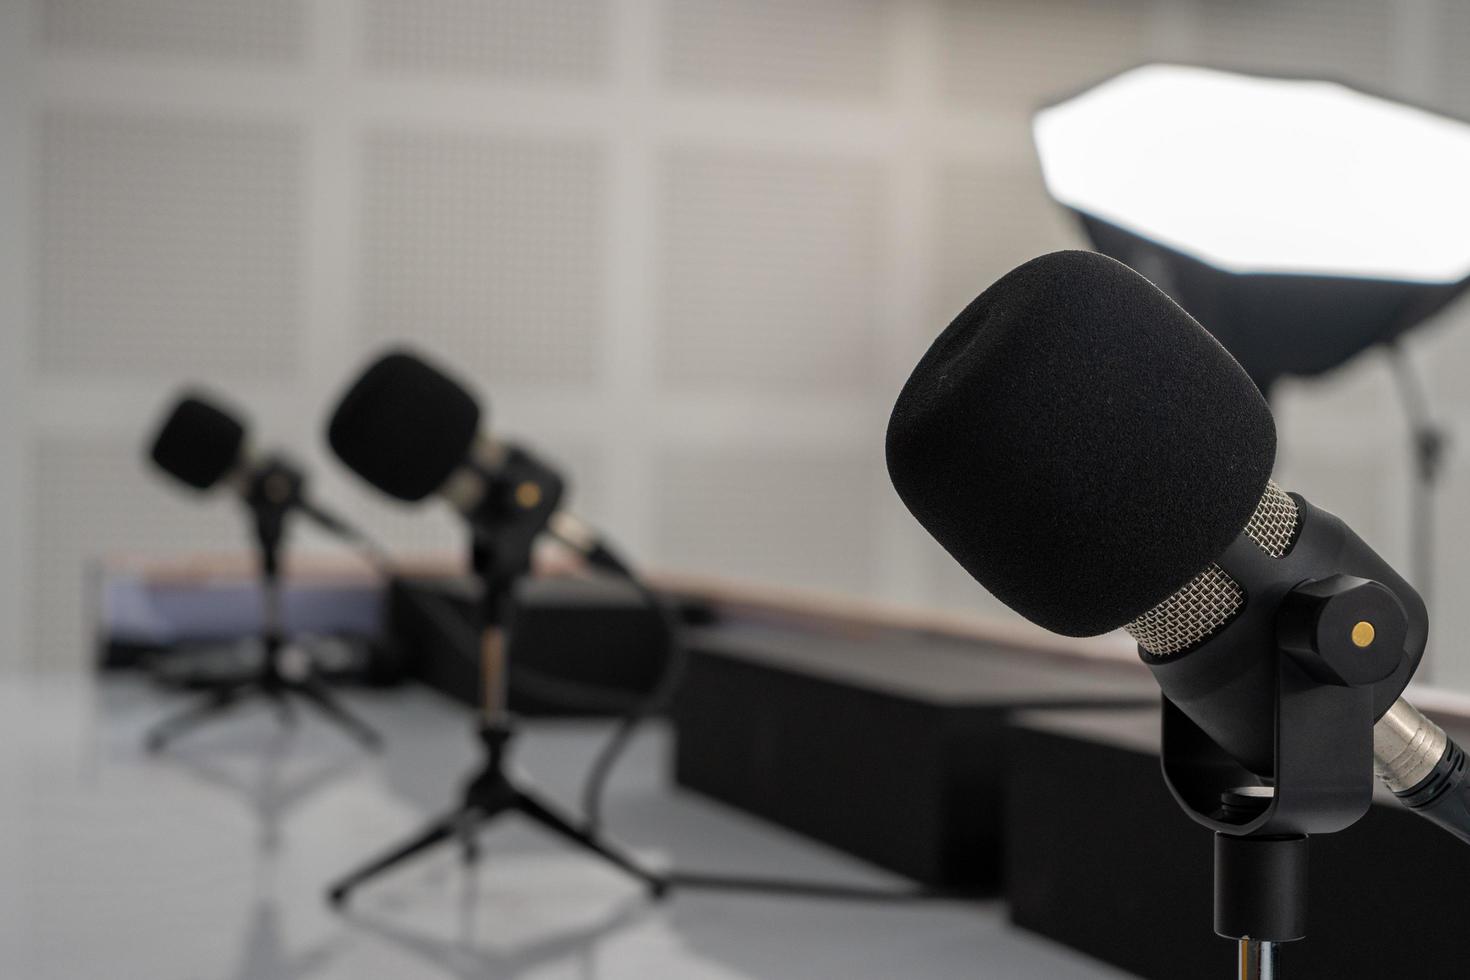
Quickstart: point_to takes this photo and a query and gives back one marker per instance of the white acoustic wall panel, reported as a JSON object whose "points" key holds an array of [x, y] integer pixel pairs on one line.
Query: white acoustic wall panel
{"points": [[753, 214], [1355, 489], [989, 217], [94, 498], [531, 39], [1442, 353], [833, 49], [581, 464], [168, 246], [1451, 67], [405, 530], [769, 270], [1350, 40], [271, 31], [784, 516], [487, 248], [1017, 54], [1362, 389], [1449, 614]]}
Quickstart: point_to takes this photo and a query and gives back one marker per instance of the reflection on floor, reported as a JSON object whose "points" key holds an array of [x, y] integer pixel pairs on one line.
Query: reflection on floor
{"points": [[208, 863]]}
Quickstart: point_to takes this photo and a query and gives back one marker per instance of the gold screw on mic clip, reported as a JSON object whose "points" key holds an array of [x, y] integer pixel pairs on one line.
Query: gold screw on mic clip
{"points": [[1363, 634], [528, 495]]}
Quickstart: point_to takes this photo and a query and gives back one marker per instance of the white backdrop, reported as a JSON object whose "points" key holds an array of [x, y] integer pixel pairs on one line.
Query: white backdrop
{"points": [[690, 246]]}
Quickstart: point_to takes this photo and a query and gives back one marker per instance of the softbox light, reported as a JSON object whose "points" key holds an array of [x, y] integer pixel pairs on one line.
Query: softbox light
{"points": [[1300, 221]]}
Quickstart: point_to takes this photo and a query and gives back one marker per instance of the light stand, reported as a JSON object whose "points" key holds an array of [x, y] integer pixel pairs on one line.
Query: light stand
{"points": [[273, 493], [521, 498], [1430, 441]]}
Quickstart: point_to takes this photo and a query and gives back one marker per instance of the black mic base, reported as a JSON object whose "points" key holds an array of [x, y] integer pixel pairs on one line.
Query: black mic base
{"points": [[488, 795], [1261, 888]]}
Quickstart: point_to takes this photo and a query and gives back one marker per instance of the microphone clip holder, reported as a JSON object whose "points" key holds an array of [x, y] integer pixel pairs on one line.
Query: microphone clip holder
{"points": [[1324, 643], [520, 494], [1321, 780]]}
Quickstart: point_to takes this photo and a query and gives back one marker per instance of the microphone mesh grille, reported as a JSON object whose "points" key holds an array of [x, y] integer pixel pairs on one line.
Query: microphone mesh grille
{"points": [[1212, 598], [1208, 602], [1273, 525]]}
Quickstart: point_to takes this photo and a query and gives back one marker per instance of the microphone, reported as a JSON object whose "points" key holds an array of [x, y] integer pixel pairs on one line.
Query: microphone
{"points": [[199, 444], [204, 446], [412, 431], [1096, 460]]}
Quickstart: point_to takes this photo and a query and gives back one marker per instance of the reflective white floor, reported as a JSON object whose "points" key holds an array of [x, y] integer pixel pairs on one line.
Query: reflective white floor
{"points": [[208, 863]]}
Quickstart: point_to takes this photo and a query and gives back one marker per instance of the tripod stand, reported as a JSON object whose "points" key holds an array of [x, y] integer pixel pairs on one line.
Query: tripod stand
{"points": [[528, 492], [275, 489]]}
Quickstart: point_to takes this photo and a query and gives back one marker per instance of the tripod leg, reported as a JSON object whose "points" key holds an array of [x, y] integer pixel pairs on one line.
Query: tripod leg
{"points": [[440, 830], [317, 694], [285, 710], [547, 816], [202, 710], [469, 846]]}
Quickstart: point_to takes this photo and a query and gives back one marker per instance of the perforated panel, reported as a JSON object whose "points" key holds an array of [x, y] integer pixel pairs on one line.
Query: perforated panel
{"points": [[407, 531], [832, 48], [1349, 40], [582, 465], [788, 517], [754, 265], [168, 246], [94, 498], [989, 218], [1016, 54], [488, 249], [1354, 489], [257, 30], [1449, 616], [769, 270], [1453, 67], [537, 39]]}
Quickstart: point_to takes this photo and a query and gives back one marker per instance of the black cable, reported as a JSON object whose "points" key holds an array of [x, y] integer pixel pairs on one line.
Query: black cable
{"points": [[589, 697], [656, 703]]}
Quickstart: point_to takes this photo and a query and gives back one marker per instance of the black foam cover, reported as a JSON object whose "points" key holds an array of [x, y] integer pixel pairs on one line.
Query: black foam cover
{"points": [[198, 443], [1079, 443], [404, 426]]}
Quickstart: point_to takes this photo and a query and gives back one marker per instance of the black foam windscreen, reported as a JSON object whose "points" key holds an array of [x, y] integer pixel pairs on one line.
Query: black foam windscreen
{"points": [[198, 443], [404, 426], [1079, 443]]}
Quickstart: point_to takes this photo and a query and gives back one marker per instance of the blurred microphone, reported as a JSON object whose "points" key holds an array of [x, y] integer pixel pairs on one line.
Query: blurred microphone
{"points": [[202, 445], [1096, 460], [412, 431]]}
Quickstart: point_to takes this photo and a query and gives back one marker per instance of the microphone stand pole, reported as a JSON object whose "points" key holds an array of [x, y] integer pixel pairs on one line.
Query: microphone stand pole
{"points": [[1257, 960], [501, 557], [274, 491]]}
